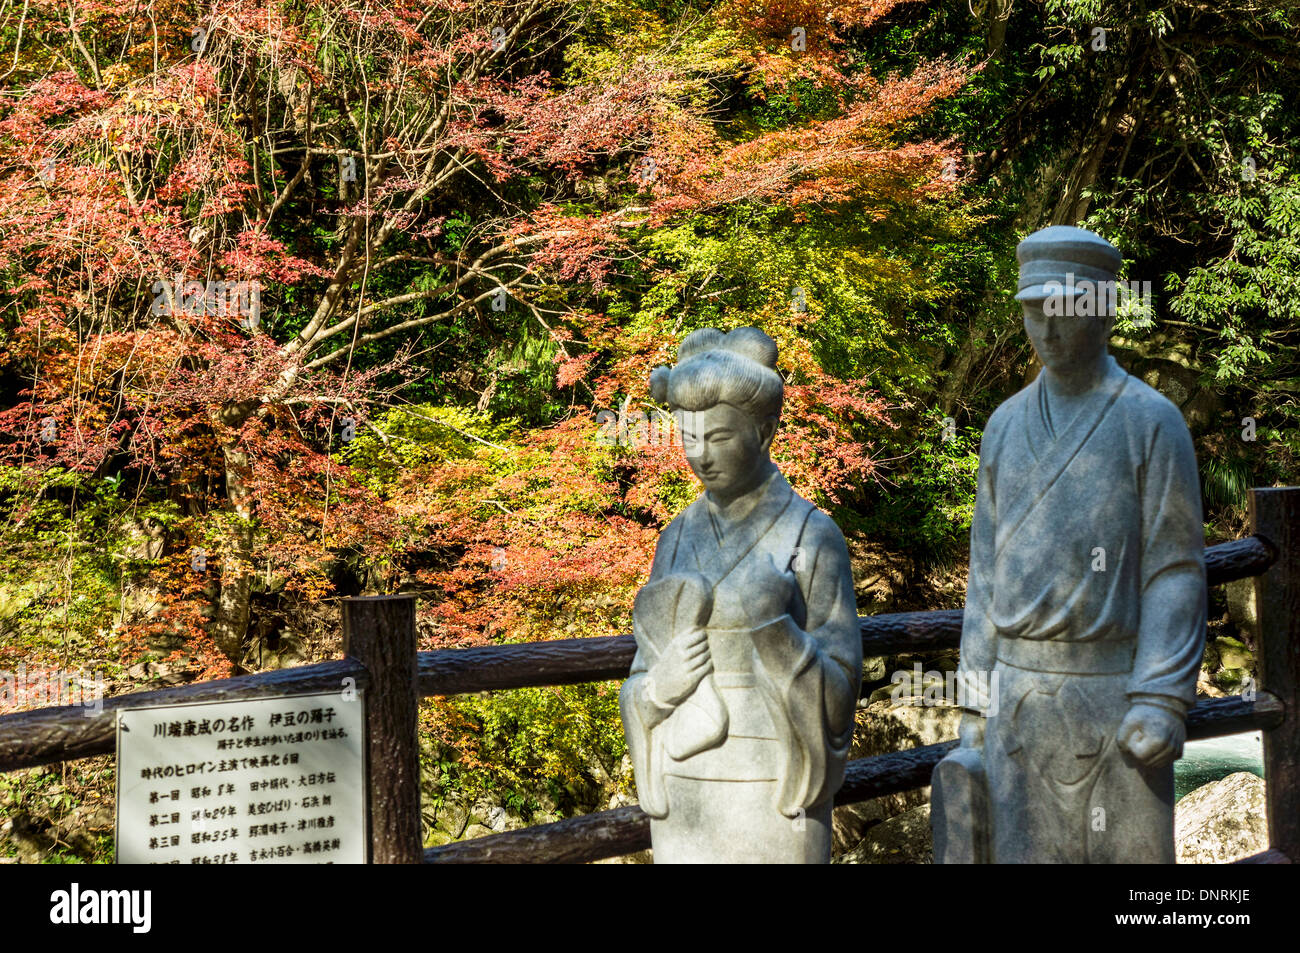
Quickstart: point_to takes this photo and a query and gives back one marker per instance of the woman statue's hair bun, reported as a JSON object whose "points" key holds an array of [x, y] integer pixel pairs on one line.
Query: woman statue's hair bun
{"points": [[748, 342], [659, 378], [737, 368], [697, 342], [754, 344]]}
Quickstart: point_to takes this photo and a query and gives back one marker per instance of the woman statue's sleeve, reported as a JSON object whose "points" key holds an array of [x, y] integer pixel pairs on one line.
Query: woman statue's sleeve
{"points": [[810, 676], [645, 745], [641, 713]]}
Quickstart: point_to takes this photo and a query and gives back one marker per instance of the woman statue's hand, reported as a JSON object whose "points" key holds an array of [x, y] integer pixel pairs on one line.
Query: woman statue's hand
{"points": [[769, 590], [680, 669]]}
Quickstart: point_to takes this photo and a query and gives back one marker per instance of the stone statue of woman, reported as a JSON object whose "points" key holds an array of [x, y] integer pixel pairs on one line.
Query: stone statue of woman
{"points": [[739, 707]]}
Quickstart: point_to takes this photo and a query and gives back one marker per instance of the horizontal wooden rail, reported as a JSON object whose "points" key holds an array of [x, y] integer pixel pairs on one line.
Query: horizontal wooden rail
{"points": [[574, 661], [1238, 559], [626, 830], [47, 735], [525, 664]]}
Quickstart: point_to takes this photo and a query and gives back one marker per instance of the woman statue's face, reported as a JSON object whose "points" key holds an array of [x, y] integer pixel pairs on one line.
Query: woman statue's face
{"points": [[727, 451]]}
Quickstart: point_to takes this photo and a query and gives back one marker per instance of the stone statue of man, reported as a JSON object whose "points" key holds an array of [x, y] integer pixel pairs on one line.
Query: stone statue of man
{"points": [[739, 707], [1086, 602]]}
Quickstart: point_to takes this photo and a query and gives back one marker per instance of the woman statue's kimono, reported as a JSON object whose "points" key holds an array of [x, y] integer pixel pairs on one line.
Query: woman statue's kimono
{"points": [[739, 708]]}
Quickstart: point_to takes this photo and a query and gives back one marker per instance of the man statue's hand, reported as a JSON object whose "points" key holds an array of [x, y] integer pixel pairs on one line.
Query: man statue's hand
{"points": [[1152, 734], [680, 669], [970, 730]]}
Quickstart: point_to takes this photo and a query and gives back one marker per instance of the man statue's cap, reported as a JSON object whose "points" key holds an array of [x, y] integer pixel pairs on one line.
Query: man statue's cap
{"points": [[1055, 253]]}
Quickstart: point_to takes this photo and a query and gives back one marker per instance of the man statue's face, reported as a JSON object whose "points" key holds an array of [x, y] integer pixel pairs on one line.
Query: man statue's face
{"points": [[1065, 342]]}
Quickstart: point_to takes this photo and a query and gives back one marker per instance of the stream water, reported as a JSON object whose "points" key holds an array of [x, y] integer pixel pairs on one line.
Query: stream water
{"points": [[1215, 758]]}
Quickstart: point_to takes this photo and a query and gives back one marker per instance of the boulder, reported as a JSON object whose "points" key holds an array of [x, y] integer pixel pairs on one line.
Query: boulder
{"points": [[1168, 365], [879, 576], [1241, 603], [1222, 821], [1228, 662], [874, 669], [451, 820], [1233, 653], [903, 839], [621, 799], [882, 727], [145, 539], [496, 818], [1205, 688]]}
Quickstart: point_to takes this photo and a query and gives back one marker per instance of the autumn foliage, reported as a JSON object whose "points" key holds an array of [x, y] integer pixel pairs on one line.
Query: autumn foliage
{"points": [[470, 227]]}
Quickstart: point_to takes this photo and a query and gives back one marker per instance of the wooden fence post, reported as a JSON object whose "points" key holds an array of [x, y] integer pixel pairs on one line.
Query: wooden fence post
{"points": [[1275, 516], [379, 632]]}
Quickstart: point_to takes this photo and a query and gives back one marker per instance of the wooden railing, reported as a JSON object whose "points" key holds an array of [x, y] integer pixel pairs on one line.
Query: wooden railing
{"points": [[381, 658]]}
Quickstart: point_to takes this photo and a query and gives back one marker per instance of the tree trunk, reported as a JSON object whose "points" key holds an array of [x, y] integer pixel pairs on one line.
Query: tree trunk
{"points": [[999, 12], [1073, 205], [954, 383], [229, 625]]}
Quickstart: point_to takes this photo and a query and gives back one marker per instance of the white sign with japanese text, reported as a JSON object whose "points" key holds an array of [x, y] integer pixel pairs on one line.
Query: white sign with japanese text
{"points": [[274, 780]]}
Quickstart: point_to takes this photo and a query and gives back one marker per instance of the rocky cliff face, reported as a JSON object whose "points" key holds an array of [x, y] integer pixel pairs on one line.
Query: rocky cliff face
{"points": [[1222, 821]]}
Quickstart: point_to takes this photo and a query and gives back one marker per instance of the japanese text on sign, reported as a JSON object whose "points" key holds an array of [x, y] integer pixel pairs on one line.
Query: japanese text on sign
{"points": [[275, 780]]}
